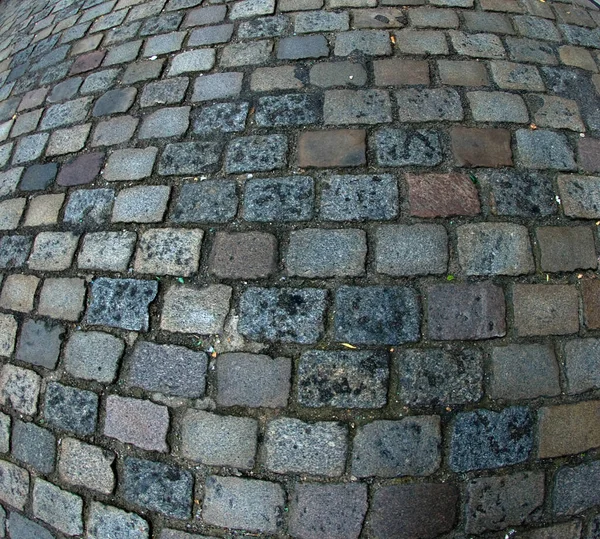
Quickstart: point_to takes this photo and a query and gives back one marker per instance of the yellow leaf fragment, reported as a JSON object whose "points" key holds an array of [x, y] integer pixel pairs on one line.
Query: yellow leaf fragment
{"points": [[348, 345]]}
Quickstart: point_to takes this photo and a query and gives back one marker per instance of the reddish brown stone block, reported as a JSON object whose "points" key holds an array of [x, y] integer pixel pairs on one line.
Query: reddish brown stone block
{"points": [[87, 62], [337, 148], [588, 154], [590, 289], [398, 72], [569, 429], [442, 195], [81, 170], [481, 147], [243, 255]]}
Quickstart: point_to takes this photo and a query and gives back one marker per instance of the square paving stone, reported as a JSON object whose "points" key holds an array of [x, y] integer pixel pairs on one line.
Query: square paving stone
{"points": [[217, 86], [545, 309], [413, 510], [582, 362], [114, 101], [59, 508], [81, 170], [141, 204], [89, 208], [157, 487], [53, 251], [220, 118], [314, 252], [401, 147], [333, 148], [253, 380], [343, 107], [207, 201], [26, 123], [93, 355], [109, 251], [555, 112], [411, 446], [588, 154], [566, 248], [130, 164], [481, 147], [466, 311], [69, 140], [189, 158], [62, 298], [346, 379], [105, 521], [411, 249], [18, 292], [167, 122], [335, 511], [216, 440], [164, 92], [524, 371], [282, 314], [256, 153], [196, 310], [238, 503], [293, 446], [9, 180], [114, 131], [167, 369], [376, 315], [439, 376], [541, 149], [169, 251], [358, 198], [279, 199], [70, 409], [33, 445], [38, 177], [574, 488], [19, 389], [121, 303], [14, 250], [494, 249], [580, 196], [243, 255], [484, 439], [138, 422], [30, 148]]}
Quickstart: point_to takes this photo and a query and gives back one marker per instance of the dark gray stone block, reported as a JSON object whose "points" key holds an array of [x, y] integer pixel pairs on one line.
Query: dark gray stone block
{"points": [[279, 199], [40, 343], [71, 409], [205, 202]]}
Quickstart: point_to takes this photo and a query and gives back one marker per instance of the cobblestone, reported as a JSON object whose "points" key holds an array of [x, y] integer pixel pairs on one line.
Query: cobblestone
{"points": [[343, 107], [297, 47], [33, 445], [220, 118], [58, 507], [18, 292], [106, 521], [14, 485], [62, 298], [399, 147], [130, 164], [573, 488], [580, 364], [207, 201], [89, 208], [566, 249], [335, 148]]}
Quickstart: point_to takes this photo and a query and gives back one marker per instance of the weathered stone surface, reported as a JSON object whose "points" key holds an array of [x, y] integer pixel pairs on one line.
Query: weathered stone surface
{"points": [[400, 147], [484, 439], [213, 201], [108, 251], [439, 377], [335, 148], [541, 149], [121, 303], [580, 196], [243, 255], [18, 292], [168, 369], [169, 251], [14, 484], [292, 446], [575, 488], [213, 120], [566, 248], [442, 195], [19, 389], [53, 251], [14, 250], [38, 177], [297, 47], [256, 153], [86, 465], [89, 208], [189, 158], [343, 107], [347, 379], [217, 86], [70, 409], [106, 521], [289, 109], [130, 164], [481, 147], [411, 446], [81, 170], [252, 380], [33, 445], [581, 364], [20, 526], [40, 343], [59, 508]]}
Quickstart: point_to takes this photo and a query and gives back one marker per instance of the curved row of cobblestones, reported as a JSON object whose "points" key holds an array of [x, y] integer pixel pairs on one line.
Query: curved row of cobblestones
{"points": [[301, 268]]}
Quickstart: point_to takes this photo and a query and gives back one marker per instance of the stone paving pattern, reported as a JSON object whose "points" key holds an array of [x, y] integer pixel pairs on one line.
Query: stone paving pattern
{"points": [[320, 269]]}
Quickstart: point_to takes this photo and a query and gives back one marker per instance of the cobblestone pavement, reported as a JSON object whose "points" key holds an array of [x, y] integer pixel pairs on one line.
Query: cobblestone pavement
{"points": [[321, 269]]}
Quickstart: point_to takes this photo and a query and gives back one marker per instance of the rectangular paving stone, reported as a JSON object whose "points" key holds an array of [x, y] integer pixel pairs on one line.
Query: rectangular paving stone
{"points": [[333, 148], [164, 43], [591, 303], [205, 15], [62, 114], [167, 369], [265, 79], [289, 109], [53, 251], [580, 196], [252, 380], [9, 180], [141, 204], [298, 47], [251, 8], [206, 201], [574, 488], [477, 45], [59, 508], [249, 53], [555, 112], [210, 35], [18, 292], [326, 253], [271, 26], [189, 158], [542, 149], [420, 249], [347, 379], [168, 251], [30, 148], [142, 70], [164, 92], [190, 309], [256, 153], [39, 343], [293, 446], [106, 520], [466, 311], [320, 21], [545, 309], [23, 527], [412, 447], [331, 74], [89, 207], [14, 250], [114, 131], [70, 409], [577, 57], [342, 107], [19, 388], [62, 298], [191, 61], [566, 248], [161, 24], [33, 445], [358, 198], [415, 105], [121, 303], [530, 51], [220, 118], [217, 440], [68, 140], [484, 439], [239, 503], [243, 255], [497, 107], [398, 72], [137, 421], [10, 213], [217, 86], [481, 147], [442, 195], [439, 377], [114, 101], [427, 17], [495, 23], [80, 170], [158, 487], [581, 364], [367, 42], [93, 355], [279, 199], [130, 164]]}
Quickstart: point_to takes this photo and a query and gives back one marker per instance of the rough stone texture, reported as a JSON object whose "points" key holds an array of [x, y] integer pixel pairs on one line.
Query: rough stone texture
{"points": [[348, 379], [581, 364], [580, 196], [53, 251], [252, 380], [108, 251], [410, 446], [439, 377], [248, 504], [217, 440], [256, 153], [168, 251], [89, 208], [466, 311], [343, 107], [292, 446], [70, 409], [196, 310], [543, 149], [376, 315], [59, 508], [399, 147], [81, 170], [495, 503], [481, 147], [19, 389], [243, 255], [62, 298], [207, 201], [18, 292], [130, 164], [574, 488], [442, 195], [33, 445], [566, 248], [485, 439], [189, 158], [168, 369], [14, 484], [419, 510], [39, 343], [107, 521], [86, 465], [20, 526], [334, 511]]}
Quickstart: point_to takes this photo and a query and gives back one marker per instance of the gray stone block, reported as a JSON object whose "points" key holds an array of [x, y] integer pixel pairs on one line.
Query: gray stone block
{"points": [[130, 164], [192, 61], [279, 199], [14, 485], [93, 355], [114, 131], [262, 27], [169, 251], [59, 508], [401, 147], [543, 149], [40, 343], [344, 107], [289, 109], [574, 489], [189, 158], [145, 204], [217, 86], [86, 466], [256, 153], [23, 528], [367, 42], [71, 112], [167, 122], [164, 92], [70, 409], [53, 251], [209, 201], [428, 105], [220, 118], [115, 101], [297, 47], [19, 389], [33, 445], [108, 251], [582, 365], [89, 208], [106, 521]]}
